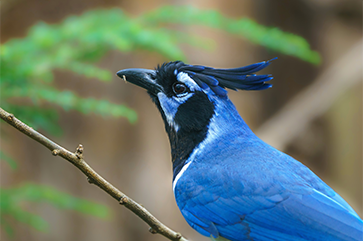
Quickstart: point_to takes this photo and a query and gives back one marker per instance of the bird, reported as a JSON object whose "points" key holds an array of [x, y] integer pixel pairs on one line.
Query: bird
{"points": [[227, 182]]}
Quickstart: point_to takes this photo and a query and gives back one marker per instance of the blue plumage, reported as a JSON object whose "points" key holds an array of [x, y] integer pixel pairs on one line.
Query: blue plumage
{"points": [[227, 182], [237, 78]]}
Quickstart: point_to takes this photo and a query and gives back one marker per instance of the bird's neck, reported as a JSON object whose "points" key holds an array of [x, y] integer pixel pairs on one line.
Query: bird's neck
{"points": [[225, 123]]}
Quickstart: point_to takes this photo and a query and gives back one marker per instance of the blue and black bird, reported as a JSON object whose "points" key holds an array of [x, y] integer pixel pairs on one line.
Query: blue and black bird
{"points": [[228, 183]]}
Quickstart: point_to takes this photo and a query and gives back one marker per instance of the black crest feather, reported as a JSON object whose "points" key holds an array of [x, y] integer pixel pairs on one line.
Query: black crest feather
{"points": [[217, 80]]}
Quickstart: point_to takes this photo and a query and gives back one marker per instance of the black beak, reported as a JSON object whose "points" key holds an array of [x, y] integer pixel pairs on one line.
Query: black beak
{"points": [[144, 78]]}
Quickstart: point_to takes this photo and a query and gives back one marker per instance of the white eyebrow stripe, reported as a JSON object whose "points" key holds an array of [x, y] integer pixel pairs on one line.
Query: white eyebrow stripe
{"points": [[185, 78]]}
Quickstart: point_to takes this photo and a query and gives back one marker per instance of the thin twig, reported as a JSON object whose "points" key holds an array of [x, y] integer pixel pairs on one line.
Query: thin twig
{"points": [[93, 177], [312, 102]]}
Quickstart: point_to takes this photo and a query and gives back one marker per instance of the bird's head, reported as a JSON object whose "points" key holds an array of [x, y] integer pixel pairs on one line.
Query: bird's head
{"points": [[192, 99]]}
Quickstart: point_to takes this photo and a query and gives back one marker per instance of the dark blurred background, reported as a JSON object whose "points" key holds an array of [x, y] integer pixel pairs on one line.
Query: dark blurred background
{"points": [[313, 112]]}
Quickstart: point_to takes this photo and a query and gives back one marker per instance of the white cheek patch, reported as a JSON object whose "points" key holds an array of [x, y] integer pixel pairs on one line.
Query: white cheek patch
{"points": [[170, 107], [184, 78]]}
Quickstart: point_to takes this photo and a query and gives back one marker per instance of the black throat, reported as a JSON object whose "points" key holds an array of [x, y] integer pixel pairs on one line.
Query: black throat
{"points": [[193, 118]]}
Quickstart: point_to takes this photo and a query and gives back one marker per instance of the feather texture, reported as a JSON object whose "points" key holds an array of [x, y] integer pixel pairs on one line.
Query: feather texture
{"points": [[229, 184], [243, 189], [217, 80]]}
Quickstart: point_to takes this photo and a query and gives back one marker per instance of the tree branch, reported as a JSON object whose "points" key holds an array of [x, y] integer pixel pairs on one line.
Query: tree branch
{"points": [[93, 177]]}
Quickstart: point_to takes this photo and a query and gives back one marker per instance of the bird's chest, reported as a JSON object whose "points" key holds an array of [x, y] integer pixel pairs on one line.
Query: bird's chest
{"points": [[196, 180], [201, 180]]}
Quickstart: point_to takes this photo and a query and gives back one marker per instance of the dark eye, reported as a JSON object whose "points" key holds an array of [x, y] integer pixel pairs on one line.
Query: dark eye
{"points": [[179, 88]]}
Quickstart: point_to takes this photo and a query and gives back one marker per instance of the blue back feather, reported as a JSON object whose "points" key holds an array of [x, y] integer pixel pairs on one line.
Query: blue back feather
{"points": [[236, 186], [240, 188]]}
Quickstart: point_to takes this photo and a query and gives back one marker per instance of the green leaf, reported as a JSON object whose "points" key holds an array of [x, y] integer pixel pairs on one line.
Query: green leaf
{"points": [[12, 199], [38, 193], [8, 229], [37, 117], [30, 219], [89, 71], [269, 37], [10, 207], [8, 159], [70, 101]]}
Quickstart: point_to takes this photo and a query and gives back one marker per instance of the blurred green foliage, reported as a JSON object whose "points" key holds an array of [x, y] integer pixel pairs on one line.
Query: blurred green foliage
{"points": [[9, 160], [28, 64], [269, 37], [13, 199], [76, 43]]}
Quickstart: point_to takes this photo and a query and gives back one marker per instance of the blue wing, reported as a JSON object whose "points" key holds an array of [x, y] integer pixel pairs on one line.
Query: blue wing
{"points": [[260, 198]]}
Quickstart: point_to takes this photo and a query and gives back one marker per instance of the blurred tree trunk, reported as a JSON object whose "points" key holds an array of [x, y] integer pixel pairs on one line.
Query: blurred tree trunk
{"points": [[293, 75], [345, 153], [329, 146]]}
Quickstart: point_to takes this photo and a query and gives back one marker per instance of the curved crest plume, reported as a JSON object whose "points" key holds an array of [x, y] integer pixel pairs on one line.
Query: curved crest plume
{"points": [[217, 80]]}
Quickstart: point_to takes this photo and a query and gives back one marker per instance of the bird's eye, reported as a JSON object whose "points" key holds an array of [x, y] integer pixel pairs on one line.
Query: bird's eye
{"points": [[179, 88]]}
